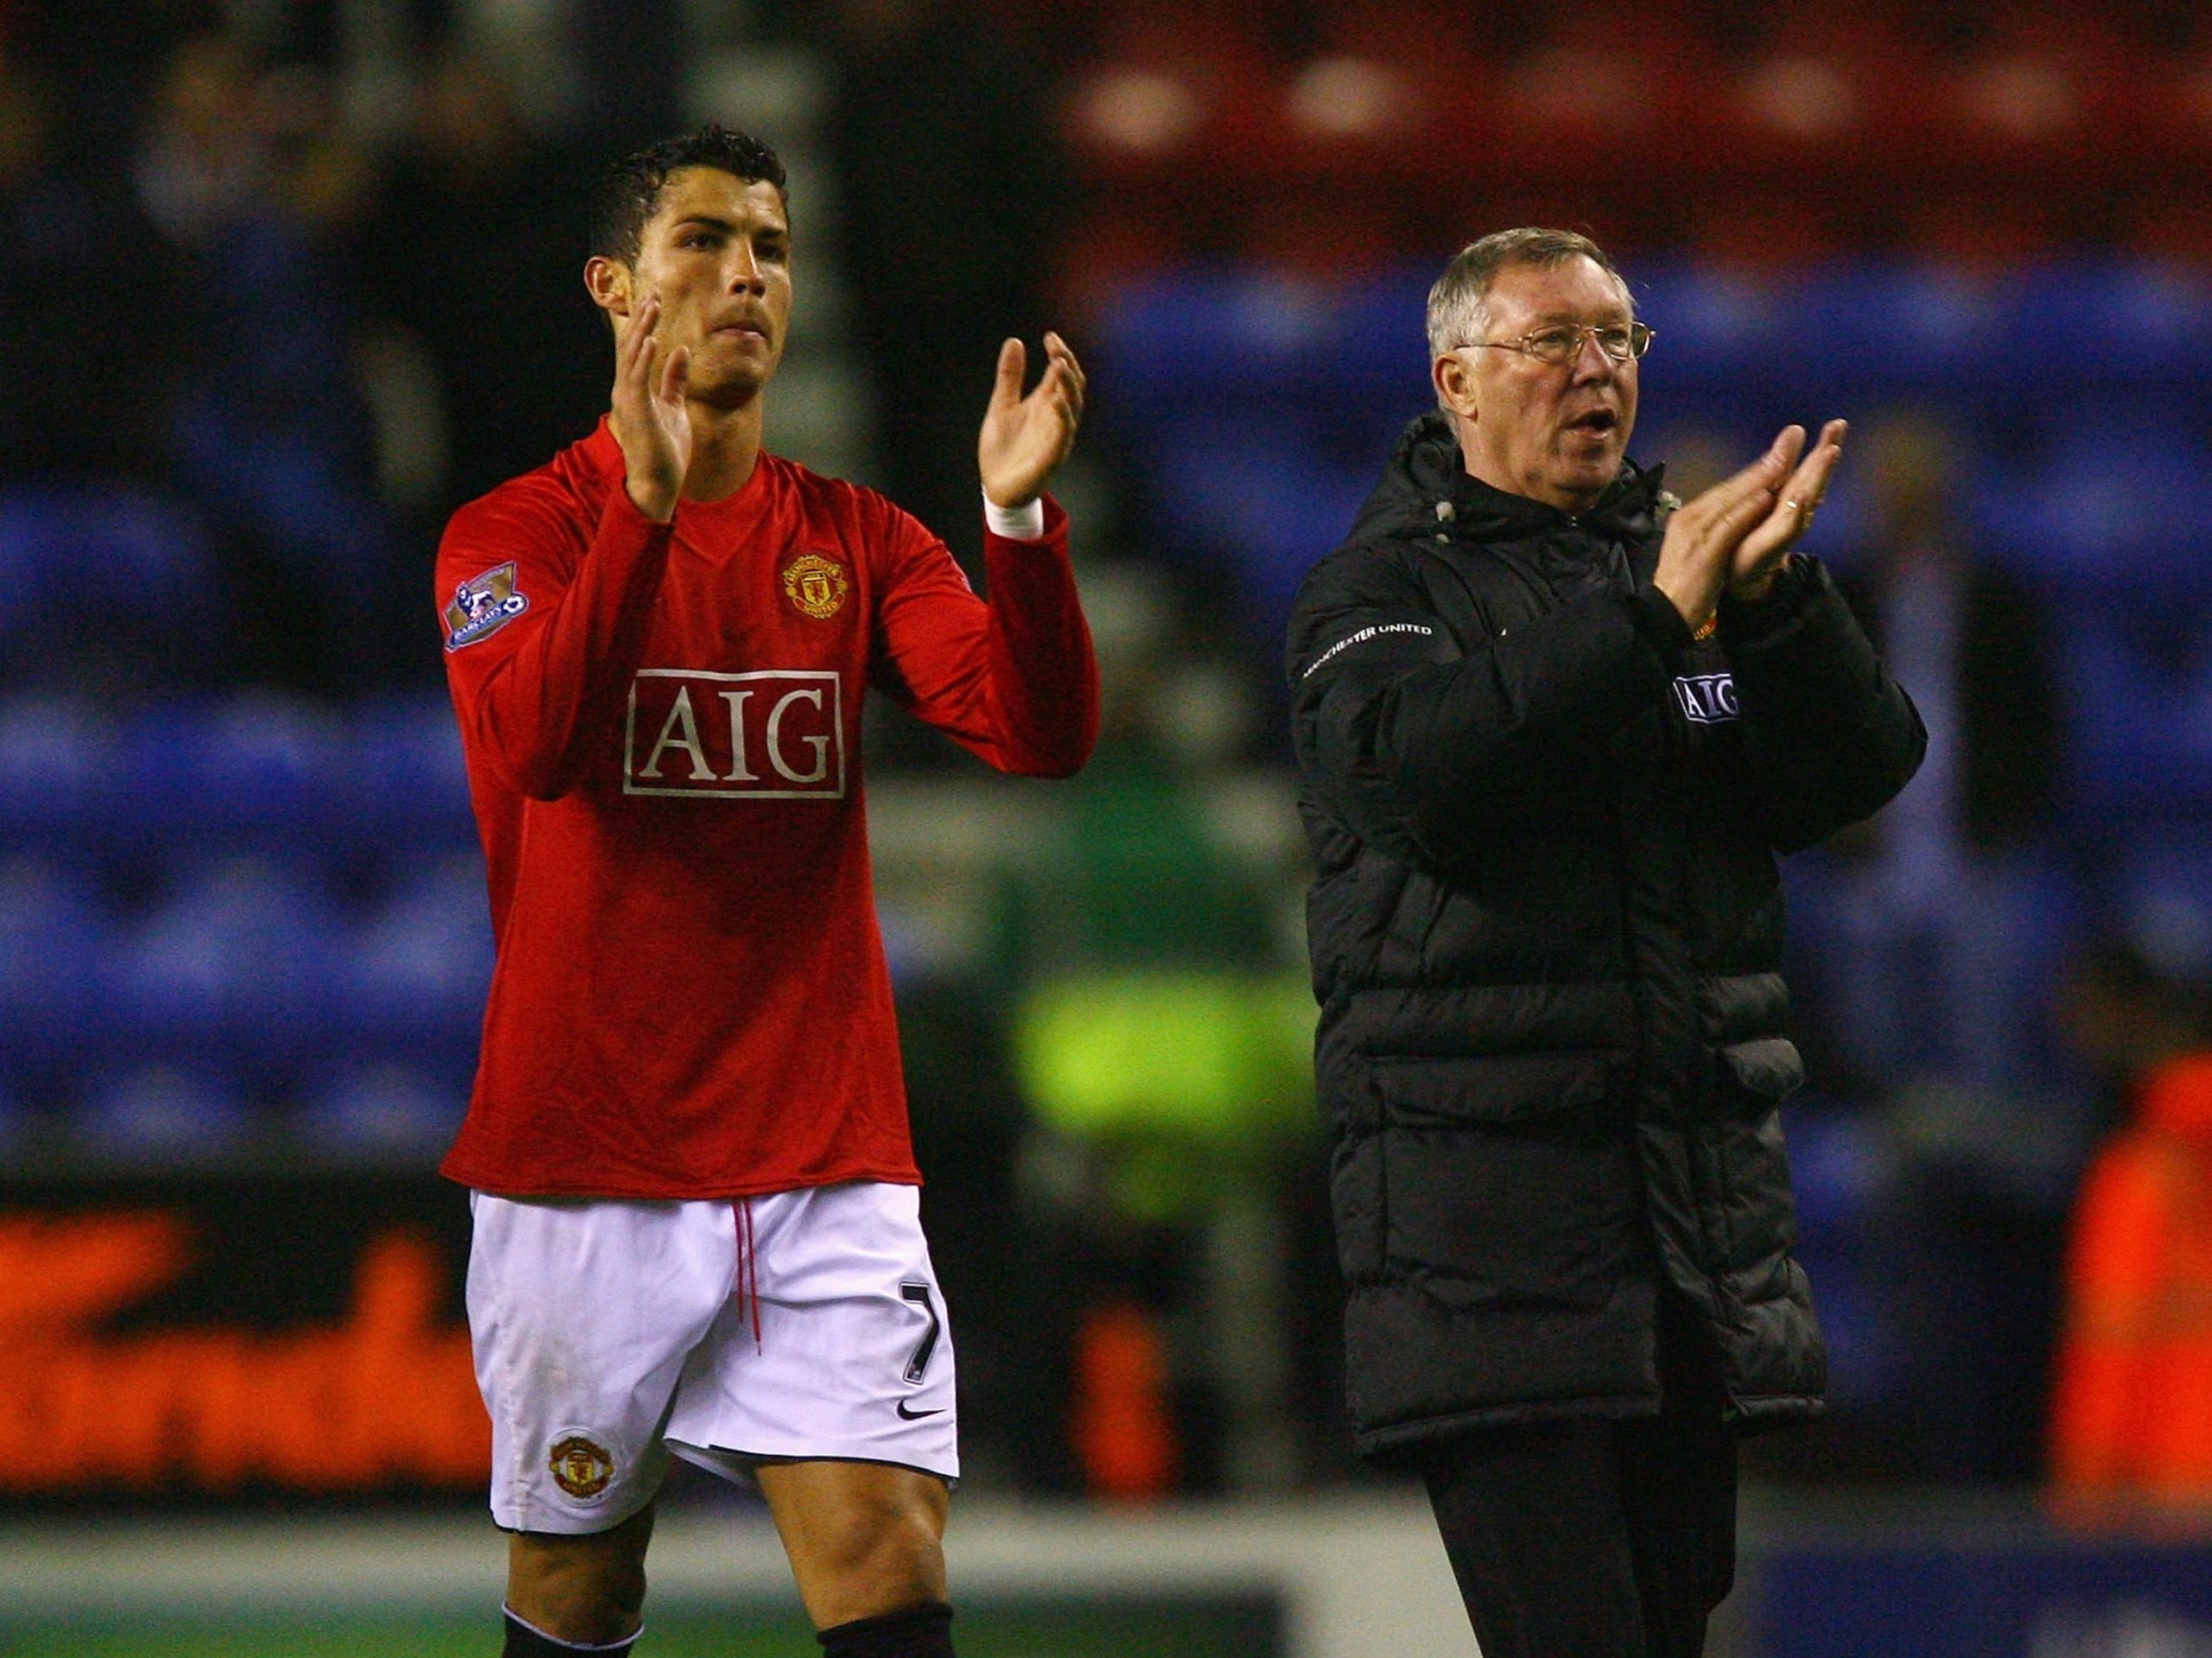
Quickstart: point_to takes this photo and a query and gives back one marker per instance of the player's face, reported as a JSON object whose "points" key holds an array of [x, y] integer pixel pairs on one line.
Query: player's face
{"points": [[718, 251], [1555, 432]]}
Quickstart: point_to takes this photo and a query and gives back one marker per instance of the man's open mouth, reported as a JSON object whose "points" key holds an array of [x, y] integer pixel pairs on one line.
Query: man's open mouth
{"points": [[1596, 423]]}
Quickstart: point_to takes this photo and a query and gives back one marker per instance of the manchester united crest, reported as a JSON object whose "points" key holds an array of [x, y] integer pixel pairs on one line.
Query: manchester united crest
{"points": [[817, 585], [581, 1466]]}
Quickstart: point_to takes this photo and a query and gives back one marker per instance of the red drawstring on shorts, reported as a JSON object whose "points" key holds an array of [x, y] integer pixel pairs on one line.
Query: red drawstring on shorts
{"points": [[749, 1270]]}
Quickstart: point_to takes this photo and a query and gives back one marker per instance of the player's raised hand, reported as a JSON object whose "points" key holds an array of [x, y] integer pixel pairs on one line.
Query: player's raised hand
{"points": [[650, 419], [1759, 556], [1025, 438], [1697, 559]]}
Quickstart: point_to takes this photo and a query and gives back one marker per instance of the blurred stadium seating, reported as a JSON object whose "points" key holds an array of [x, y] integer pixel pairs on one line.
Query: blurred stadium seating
{"points": [[244, 910], [1983, 131]]}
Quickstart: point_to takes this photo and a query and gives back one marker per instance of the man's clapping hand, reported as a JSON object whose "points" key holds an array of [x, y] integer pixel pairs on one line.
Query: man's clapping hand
{"points": [[1732, 537]]}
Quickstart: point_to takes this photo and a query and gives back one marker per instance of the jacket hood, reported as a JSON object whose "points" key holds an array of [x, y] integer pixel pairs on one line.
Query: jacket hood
{"points": [[1424, 473]]}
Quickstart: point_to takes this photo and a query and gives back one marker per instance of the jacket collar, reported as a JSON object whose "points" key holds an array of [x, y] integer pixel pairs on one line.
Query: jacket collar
{"points": [[1427, 484]]}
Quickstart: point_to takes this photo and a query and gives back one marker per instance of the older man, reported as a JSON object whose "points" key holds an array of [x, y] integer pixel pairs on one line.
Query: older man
{"points": [[1553, 725]]}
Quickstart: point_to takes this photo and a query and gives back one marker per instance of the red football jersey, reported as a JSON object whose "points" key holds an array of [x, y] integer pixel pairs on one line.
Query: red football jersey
{"points": [[663, 731]]}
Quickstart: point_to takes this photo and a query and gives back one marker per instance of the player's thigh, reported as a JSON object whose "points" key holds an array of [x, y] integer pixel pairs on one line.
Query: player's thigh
{"points": [[582, 1315], [1532, 1520], [864, 1538]]}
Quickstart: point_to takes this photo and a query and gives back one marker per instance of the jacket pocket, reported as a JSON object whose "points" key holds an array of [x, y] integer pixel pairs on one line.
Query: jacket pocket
{"points": [[1507, 1177], [1763, 1071], [1745, 1162]]}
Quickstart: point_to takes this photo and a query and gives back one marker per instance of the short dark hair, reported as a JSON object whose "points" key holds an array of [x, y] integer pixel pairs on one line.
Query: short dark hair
{"points": [[630, 189], [1457, 307]]}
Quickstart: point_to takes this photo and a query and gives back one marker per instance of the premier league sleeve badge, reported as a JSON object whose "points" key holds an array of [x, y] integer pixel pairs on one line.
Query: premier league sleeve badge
{"points": [[482, 605]]}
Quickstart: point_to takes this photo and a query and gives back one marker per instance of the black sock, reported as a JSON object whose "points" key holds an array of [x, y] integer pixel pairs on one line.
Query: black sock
{"points": [[527, 1640], [923, 1631]]}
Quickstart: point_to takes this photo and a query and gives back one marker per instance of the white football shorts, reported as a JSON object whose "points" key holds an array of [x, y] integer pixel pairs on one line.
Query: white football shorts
{"points": [[609, 1332]]}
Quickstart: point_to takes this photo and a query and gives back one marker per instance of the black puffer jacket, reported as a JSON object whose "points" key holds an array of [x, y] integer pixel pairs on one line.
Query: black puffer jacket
{"points": [[1545, 930]]}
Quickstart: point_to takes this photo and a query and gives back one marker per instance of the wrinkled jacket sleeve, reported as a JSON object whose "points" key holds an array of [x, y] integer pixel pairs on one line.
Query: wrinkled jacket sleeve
{"points": [[1831, 736], [1406, 734]]}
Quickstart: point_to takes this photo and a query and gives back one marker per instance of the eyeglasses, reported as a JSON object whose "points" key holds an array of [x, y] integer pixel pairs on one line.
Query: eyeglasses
{"points": [[1562, 343]]}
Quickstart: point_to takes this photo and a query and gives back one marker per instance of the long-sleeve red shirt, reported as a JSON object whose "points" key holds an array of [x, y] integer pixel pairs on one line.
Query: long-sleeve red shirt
{"points": [[663, 732]]}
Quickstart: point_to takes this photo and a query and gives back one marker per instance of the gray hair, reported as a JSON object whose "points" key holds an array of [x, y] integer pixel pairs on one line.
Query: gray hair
{"points": [[1458, 305]]}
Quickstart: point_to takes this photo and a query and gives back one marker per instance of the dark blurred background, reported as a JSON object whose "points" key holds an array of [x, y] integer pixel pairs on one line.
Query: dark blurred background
{"points": [[282, 283]]}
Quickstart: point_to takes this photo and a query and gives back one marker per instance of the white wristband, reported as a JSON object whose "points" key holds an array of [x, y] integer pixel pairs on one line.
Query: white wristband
{"points": [[1015, 523]]}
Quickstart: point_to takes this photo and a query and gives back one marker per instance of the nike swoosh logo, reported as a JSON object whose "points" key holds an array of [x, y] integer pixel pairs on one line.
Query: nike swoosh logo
{"points": [[916, 1416]]}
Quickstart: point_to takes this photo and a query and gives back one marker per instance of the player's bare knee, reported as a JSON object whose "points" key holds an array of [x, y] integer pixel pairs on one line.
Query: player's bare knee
{"points": [[889, 1553], [910, 1560], [581, 1606], [589, 1588]]}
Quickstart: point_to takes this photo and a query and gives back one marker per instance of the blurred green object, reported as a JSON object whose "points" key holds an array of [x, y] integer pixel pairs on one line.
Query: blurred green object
{"points": [[1153, 1629], [1185, 1077], [1212, 1056], [1154, 1024]]}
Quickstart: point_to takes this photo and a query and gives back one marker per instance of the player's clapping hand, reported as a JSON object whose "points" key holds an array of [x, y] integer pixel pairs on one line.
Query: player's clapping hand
{"points": [[650, 419], [1759, 555], [1025, 438]]}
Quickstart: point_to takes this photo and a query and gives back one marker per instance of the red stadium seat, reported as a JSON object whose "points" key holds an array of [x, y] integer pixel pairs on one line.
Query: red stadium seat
{"points": [[1818, 108], [1767, 137], [1410, 87], [1169, 88], [2173, 125], [1598, 98]]}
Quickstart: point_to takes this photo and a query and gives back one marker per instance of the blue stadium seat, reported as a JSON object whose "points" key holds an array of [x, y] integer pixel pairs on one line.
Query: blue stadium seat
{"points": [[404, 783], [2140, 714], [2130, 326], [97, 574], [161, 1116], [2160, 889], [1375, 362], [55, 945], [240, 962], [2116, 501], [1929, 327], [1271, 505], [383, 1111], [414, 972], [270, 436], [1194, 337], [1840, 1167], [256, 771], [60, 760], [1717, 327]]}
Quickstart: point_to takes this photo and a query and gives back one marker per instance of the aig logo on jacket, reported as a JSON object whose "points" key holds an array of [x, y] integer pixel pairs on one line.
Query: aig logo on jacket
{"points": [[776, 734], [1709, 699]]}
